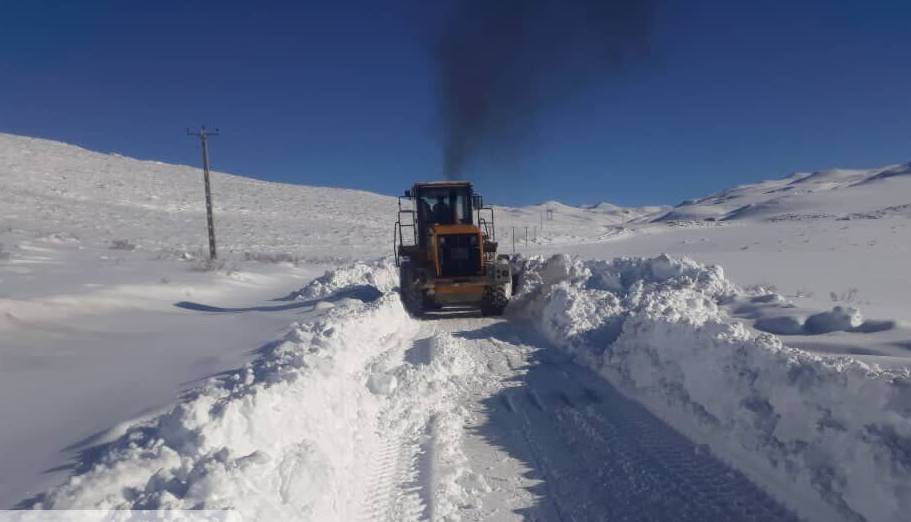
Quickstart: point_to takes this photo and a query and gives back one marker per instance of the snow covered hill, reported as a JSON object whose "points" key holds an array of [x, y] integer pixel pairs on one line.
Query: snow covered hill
{"points": [[134, 375], [838, 194], [627, 214], [836, 237], [53, 189]]}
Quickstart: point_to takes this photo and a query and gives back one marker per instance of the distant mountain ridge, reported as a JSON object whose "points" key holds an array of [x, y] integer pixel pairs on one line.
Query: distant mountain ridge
{"points": [[834, 193], [49, 187]]}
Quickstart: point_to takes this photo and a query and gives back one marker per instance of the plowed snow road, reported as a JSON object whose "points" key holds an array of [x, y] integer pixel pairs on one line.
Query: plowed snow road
{"points": [[519, 432], [360, 413]]}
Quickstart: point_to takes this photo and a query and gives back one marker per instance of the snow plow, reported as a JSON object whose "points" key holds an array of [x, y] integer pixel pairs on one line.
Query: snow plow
{"points": [[446, 250]]}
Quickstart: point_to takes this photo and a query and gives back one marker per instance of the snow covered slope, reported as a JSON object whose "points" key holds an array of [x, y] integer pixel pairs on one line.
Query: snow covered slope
{"points": [[839, 194], [135, 375], [837, 237], [554, 223], [53, 189]]}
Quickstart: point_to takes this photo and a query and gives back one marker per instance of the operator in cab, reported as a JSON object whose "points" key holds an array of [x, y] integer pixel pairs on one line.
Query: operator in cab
{"points": [[442, 214]]}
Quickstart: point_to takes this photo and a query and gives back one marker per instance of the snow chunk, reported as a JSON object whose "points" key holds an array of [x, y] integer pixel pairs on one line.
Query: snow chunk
{"points": [[781, 325], [380, 275], [838, 319]]}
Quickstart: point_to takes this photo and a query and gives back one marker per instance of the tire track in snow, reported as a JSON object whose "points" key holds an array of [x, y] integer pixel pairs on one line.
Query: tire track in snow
{"points": [[396, 481], [415, 476], [592, 454], [547, 440]]}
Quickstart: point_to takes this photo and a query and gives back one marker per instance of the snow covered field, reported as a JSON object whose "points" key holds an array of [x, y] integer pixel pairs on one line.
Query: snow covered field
{"points": [[136, 376]]}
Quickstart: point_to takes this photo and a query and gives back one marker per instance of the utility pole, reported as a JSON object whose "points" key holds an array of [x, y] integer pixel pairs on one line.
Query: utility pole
{"points": [[203, 135]]}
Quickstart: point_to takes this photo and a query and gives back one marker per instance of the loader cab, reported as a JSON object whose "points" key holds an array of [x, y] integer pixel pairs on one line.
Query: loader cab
{"points": [[442, 231], [442, 203]]}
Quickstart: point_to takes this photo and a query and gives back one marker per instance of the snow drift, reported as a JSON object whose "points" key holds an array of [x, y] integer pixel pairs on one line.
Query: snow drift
{"points": [[829, 435], [312, 429], [304, 431], [282, 438]]}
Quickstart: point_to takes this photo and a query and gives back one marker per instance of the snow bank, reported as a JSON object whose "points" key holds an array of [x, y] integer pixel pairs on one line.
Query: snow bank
{"points": [[381, 275], [282, 438], [829, 435], [329, 423]]}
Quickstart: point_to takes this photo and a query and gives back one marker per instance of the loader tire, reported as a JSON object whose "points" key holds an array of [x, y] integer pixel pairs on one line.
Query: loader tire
{"points": [[495, 301], [430, 304], [412, 300]]}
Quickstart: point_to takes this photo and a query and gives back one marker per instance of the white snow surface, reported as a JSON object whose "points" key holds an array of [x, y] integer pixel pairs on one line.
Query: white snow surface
{"points": [[54, 188], [51, 189], [364, 413], [829, 433], [306, 431], [283, 438], [152, 378], [293, 434], [838, 193]]}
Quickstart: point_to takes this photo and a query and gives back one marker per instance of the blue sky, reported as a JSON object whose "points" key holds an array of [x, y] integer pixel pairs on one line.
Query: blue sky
{"points": [[342, 93]]}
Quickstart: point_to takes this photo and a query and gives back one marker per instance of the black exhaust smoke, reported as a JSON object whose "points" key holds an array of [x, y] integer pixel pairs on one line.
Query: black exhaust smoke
{"points": [[500, 61]]}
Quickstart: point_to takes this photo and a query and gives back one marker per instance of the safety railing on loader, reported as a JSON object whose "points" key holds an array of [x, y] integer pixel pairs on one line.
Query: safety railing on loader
{"points": [[398, 235], [487, 227]]}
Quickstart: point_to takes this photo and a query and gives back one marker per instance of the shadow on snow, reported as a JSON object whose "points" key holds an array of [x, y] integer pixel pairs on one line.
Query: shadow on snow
{"points": [[365, 293], [593, 454]]}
